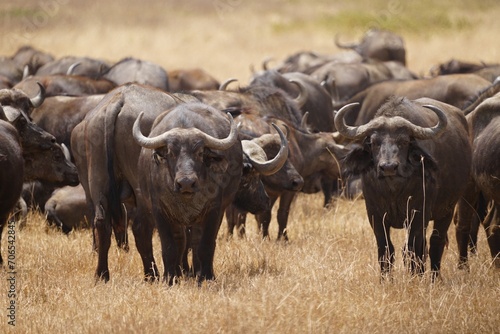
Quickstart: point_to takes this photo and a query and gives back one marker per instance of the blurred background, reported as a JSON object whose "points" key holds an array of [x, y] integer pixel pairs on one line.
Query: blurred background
{"points": [[227, 37]]}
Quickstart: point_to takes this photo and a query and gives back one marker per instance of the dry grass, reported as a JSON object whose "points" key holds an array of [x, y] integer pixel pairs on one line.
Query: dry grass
{"points": [[326, 279]]}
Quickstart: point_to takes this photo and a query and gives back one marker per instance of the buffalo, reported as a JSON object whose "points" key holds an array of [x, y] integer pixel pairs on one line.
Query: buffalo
{"points": [[11, 176], [106, 157], [191, 79], [192, 165], [138, 71], [484, 186], [454, 89], [413, 159], [378, 44]]}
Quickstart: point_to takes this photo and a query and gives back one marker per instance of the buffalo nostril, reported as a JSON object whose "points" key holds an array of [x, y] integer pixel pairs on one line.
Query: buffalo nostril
{"points": [[186, 184], [297, 184], [389, 168]]}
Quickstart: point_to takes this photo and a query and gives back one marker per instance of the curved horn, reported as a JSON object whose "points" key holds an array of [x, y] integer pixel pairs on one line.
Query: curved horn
{"points": [[222, 144], [226, 83], [265, 62], [344, 45], [303, 122], [40, 97], [160, 140], [272, 166], [302, 98], [66, 152], [428, 133], [345, 130], [72, 68], [26, 71], [141, 139]]}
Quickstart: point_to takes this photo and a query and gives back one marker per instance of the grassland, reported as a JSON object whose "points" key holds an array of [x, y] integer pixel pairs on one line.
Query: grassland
{"points": [[326, 279]]}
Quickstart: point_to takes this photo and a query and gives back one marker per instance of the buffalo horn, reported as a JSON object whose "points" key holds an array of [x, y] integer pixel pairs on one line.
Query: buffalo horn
{"points": [[65, 150], [40, 97], [272, 166], [72, 67], [302, 98], [226, 83], [303, 122], [161, 140], [265, 63], [428, 133], [344, 129], [26, 71], [345, 45]]}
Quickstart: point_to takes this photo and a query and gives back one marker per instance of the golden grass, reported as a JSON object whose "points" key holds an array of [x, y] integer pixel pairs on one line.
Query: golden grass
{"points": [[326, 279]]}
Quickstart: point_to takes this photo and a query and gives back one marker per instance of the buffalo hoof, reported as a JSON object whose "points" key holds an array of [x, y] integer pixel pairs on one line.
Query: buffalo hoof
{"points": [[463, 265], [102, 276]]}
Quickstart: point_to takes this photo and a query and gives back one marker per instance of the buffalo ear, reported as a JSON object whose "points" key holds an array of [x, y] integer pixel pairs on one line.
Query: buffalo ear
{"points": [[417, 153], [357, 161]]}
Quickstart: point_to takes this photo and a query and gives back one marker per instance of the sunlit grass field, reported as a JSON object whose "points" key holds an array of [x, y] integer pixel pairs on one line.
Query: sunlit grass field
{"points": [[326, 278]]}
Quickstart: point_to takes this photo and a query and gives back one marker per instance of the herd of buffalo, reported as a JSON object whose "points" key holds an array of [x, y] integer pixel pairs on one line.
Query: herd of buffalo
{"points": [[83, 139]]}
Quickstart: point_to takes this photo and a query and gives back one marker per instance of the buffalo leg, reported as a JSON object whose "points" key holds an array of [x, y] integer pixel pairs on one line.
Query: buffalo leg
{"points": [[385, 247], [415, 245], [235, 218], [173, 246], [206, 248], [492, 228], [142, 228], [264, 218], [102, 233], [438, 240], [463, 220], [283, 212]]}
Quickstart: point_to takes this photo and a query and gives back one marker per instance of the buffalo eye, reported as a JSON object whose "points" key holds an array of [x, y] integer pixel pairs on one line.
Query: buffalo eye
{"points": [[210, 157], [160, 155]]}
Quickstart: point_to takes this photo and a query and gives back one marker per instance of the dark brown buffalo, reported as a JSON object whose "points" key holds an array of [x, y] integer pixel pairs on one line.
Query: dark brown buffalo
{"points": [[351, 78], [454, 89], [32, 58], [282, 176], [310, 153], [67, 208], [378, 44], [191, 79], [307, 61], [414, 159], [79, 66], [310, 95], [106, 156], [10, 70], [11, 173], [44, 158], [138, 71], [192, 165], [58, 115], [484, 128], [69, 85], [488, 71]]}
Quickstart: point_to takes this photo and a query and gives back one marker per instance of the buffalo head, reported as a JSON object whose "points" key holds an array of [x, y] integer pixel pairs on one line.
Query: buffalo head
{"points": [[390, 143], [186, 153]]}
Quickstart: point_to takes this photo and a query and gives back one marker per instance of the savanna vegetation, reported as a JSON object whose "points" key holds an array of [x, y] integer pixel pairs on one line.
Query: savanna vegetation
{"points": [[326, 278]]}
